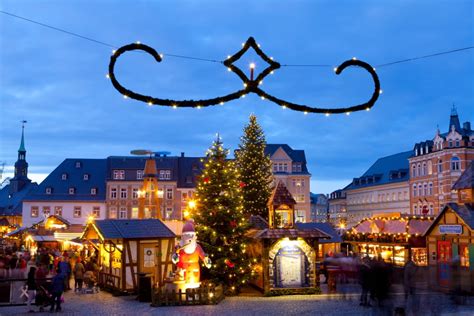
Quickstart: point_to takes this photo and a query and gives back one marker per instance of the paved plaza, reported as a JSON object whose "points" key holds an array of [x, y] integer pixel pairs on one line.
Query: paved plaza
{"points": [[104, 303]]}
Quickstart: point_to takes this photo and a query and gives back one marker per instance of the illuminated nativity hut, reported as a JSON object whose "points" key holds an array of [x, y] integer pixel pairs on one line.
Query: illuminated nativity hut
{"points": [[284, 256]]}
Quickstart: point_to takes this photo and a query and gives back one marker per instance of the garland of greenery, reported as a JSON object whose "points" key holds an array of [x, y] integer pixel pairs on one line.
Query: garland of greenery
{"points": [[250, 86]]}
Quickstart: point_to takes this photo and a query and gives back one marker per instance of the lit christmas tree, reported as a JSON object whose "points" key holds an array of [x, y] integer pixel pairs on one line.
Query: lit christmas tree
{"points": [[255, 170], [220, 221]]}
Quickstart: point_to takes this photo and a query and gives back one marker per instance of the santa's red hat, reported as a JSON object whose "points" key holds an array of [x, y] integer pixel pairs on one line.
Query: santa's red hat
{"points": [[188, 227]]}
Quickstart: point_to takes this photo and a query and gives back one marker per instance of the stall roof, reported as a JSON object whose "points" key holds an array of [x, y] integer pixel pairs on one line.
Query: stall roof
{"points": [[412, 225], [465, 212], [133, 228], [325, 228], [43, 238]]}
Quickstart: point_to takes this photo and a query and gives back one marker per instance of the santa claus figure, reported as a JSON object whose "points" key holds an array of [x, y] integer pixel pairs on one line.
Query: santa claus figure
{"points": [[187, 257]]}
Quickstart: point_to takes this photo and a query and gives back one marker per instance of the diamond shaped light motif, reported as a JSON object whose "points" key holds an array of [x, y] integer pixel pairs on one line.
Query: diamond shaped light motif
{"points": [[250, 85]]}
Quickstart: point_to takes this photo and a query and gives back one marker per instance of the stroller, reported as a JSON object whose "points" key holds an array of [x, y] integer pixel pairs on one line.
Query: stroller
{"points": [[90, 282], [43, 298]]}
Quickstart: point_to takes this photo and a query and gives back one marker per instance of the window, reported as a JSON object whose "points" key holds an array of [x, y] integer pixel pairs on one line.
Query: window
{"points": [[413, 170], [72, 190], [424, 170], [457, 143], [46, 211], [86, 176], [419, 190], [450, 143], [139, 174], [96, 211], [119, 174], [58, 210], [440, 166], [135, 193], [455, 164], [415, 209], [299, 198], [134, 212], [425, 189], [77, 211], [78, 164], [49, 190], [296, 167], [430, 167], [464, 255], [169, 212], [113, 193], [93, 191], [430, 188], [414, 190], [300, 216], [113, 212], [418, 169], [34, 211], [64, 176], [123, 193], [165, 175], [169, 193], [431, 209], [123, 212]]}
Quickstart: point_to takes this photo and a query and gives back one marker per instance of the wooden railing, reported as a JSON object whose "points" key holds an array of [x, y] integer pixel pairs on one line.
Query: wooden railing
{"points": [[205, 295], [109, 281]]}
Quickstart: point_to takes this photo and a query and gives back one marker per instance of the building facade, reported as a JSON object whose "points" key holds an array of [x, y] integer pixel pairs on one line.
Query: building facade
{"points": [[383, 189], [337, 205], [319, 207], [436, 165], [289, 166], [75, 191]]}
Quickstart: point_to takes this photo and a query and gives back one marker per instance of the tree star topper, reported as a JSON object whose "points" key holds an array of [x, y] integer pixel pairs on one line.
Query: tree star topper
{"points": [[250, 85]]}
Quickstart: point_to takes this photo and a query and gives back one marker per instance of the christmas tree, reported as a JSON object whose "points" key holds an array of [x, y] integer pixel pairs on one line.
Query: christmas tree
{"points": [[255, 169], [220, 221]]}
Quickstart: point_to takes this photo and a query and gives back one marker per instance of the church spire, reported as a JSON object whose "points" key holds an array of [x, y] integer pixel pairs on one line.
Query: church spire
{"points": [[454, 120], [22, 143]]}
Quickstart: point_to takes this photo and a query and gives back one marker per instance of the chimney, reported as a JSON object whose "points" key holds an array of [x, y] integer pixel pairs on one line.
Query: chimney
{"points": [[182, 154], [466, 126]]}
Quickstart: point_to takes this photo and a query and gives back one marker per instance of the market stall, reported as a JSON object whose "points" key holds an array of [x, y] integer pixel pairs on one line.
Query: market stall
{"points": [[394, 239]]}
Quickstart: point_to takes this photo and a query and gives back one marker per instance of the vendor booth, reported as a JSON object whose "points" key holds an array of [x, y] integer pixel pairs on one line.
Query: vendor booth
{"points": [[127, 248], [394, 239]]}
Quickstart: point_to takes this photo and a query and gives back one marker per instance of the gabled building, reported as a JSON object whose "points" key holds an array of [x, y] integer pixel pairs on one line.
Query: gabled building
{"points": [[12, 195], [437, 164], [382, 189], [319, 207], [289, 166], [75, 191]]}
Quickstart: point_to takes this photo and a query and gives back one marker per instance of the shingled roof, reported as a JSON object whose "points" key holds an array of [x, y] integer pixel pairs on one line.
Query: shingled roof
{"points": [[133, 229], [281, 195], [466, 180], [290, 233]]}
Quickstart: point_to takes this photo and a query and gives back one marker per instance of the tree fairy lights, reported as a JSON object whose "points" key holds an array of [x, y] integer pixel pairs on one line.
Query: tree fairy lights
{"points": [[250, 85]]}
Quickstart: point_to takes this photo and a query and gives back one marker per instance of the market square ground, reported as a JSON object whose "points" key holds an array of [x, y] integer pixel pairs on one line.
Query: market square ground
{"points": [[104, 303]]}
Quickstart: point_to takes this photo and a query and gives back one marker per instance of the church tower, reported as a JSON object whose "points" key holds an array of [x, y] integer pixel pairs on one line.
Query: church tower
{"points": [[21, 166]]}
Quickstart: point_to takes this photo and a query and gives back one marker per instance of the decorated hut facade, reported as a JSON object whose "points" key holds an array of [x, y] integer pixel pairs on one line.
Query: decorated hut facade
{"points": [[284, 256], [394, 239], [127, 248]]}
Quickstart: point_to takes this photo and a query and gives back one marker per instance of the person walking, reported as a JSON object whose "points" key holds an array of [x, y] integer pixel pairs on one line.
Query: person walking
{"points": [[31, 285], [57, 289], [78, 275], [409, 275]]}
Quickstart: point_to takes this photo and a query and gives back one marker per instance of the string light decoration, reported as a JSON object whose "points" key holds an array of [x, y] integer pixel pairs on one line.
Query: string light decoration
{"points": [[250, 85]]}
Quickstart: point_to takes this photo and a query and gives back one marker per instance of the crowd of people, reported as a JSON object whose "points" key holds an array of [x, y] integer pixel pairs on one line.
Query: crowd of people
{"points": [[48, 274]]}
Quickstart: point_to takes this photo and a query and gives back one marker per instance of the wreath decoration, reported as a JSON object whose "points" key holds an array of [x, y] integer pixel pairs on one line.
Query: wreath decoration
{"points": [[250, 85]]}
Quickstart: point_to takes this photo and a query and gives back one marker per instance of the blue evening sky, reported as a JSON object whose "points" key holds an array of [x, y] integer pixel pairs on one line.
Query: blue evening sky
{"points": [[57, 82]]}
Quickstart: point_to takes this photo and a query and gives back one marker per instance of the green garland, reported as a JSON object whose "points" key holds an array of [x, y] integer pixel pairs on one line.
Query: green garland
{"points": [[251, 86]]}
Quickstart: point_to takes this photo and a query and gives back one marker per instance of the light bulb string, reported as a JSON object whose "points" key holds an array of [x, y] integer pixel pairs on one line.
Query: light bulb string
{"points": [[315, 65]]}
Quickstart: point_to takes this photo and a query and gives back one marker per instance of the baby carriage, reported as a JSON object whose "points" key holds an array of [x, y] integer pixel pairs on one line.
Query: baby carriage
{"points": [[90, 282], [43, 298]]}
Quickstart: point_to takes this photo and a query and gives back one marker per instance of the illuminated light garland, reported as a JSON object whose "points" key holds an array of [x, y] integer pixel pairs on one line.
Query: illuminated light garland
{"points": [[250, 85]]}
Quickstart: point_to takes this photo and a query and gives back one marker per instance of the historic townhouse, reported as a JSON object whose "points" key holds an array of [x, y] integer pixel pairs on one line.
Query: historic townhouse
{"points": [[289, 166], [437, 164], [383, 189], [177, 178], [338, 208], [319, 207], [74, 191]]}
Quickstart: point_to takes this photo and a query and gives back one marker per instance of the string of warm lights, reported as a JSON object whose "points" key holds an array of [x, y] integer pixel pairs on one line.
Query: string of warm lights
{"points": [[251, 85]]}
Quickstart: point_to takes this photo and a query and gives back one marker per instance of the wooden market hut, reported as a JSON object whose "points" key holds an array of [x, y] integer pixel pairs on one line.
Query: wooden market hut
{"points": [[127, 248], [284, 256], [394, 239]]}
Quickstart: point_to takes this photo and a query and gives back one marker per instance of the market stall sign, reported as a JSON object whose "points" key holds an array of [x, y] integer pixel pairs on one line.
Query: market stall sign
{"points": [[450, 229]]}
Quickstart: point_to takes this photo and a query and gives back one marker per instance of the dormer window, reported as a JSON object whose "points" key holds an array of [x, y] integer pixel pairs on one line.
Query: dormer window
{"points": [[64, 176], [93, 191], [139, 174], [426, 149], [450, 143], [78, 164], [416, 151], [49, 190], [86, 176], [119, 174], [457, 143], [72, 190]]}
